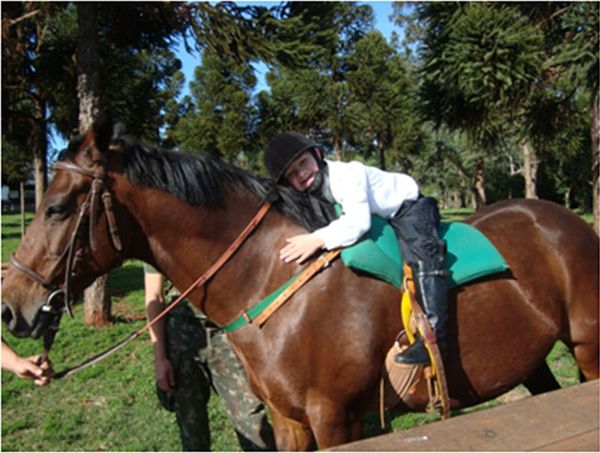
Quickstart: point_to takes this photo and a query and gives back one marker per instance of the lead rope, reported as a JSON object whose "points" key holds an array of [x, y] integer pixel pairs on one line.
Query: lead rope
{"points": [[212, 270]]}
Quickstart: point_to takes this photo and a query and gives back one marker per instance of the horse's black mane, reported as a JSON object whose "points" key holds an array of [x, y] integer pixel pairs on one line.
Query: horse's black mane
{"points": [[199, 179]]}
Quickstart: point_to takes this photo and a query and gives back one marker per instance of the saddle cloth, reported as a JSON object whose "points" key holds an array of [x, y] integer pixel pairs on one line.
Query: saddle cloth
{"points": [[470, 255]]}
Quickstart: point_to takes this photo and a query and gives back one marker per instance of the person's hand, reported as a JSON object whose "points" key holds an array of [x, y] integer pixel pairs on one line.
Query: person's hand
{"points": [[300, 248], [34, 369], [165, 375]]}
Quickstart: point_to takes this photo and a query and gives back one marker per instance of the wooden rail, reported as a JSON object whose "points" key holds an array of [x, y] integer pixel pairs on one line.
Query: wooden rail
{"points": [[563, 420]]}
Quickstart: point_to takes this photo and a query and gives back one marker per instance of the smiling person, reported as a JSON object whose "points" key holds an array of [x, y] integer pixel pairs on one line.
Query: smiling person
{"points": [[296, 160]]}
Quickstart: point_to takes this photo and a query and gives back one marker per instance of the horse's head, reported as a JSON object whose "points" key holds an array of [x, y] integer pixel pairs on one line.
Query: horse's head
{"points": [[70, 242]]}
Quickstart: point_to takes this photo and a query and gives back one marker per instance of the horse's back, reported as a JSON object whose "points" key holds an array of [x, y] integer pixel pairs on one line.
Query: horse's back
{"points": [[545, 214], [543, 233]]}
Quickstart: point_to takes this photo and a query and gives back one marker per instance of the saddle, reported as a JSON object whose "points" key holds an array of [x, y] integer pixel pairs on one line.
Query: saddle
{"points": [[470, 255]]}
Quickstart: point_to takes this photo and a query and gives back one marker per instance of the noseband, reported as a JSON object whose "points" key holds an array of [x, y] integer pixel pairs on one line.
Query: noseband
{"points": [[59, 298]]}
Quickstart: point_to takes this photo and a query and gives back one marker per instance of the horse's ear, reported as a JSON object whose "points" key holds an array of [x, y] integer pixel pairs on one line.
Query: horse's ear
{"points": [[102, 130], [118, 130]]}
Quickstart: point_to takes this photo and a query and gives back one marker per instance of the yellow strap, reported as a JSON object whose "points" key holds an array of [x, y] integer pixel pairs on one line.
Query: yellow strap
{"points": [[414, 320]]}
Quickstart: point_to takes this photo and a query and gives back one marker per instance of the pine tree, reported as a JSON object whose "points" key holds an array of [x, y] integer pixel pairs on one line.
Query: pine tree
{"points": [[219, 117]]}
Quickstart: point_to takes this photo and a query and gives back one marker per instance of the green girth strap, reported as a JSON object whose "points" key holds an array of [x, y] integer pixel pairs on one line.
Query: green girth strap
{"points": [[248, 316]]}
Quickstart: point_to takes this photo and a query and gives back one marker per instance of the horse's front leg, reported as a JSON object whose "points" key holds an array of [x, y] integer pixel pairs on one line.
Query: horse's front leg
{"points": [[290, 435], [357, 430], [331, 423]]}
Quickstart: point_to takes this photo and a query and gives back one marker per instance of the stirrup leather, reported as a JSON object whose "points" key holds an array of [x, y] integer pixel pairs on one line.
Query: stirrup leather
{"points": [[414, 321]]}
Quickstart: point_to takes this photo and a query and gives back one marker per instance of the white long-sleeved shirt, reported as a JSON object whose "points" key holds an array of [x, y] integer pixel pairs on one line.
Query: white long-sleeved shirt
{"points": [[361, 191]]}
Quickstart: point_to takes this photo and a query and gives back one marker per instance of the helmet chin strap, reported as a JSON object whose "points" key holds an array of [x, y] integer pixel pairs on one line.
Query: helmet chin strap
{"points": [[316, 186]]}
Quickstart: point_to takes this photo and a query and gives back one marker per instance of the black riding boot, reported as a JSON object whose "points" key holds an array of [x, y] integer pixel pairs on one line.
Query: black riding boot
{"points": [[431, 290]]}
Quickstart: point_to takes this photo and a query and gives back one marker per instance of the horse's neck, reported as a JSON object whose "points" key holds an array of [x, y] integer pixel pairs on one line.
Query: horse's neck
{"points": [[184, 241], [254, 271]]}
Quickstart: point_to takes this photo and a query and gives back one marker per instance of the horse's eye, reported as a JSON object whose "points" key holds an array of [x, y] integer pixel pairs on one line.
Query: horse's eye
{"points": [[56, 212]]}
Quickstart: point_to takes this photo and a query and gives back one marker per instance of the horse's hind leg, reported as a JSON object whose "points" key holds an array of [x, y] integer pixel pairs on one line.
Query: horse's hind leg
{"points": [[290, 435], [586, 356], [582, 336], [541, 380]]}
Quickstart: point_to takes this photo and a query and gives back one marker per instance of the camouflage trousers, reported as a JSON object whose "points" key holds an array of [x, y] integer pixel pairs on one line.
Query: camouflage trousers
{"points": [[202, 358]]}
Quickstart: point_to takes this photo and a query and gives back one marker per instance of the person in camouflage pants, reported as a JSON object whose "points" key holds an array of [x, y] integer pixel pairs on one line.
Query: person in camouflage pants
{"points": [[196, 355]]}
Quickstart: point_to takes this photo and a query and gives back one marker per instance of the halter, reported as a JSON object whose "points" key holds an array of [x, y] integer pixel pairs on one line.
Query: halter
{"points": [[59, 299]]}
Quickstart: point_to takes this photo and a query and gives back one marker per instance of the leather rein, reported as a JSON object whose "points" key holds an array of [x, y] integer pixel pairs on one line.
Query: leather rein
{"points": [[59, 299]]}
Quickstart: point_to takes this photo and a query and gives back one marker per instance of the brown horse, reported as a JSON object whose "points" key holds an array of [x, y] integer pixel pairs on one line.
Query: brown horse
{"points": [[317, 361]]}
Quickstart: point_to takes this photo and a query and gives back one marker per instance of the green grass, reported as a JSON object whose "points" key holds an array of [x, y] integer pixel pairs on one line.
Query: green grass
{"points": [[109, 406], [456, 215], [587, 216], [11, 233], [112, 405]]}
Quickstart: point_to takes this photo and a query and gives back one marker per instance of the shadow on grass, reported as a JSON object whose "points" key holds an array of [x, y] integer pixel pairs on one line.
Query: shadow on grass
{"points": [[15, 235], [127, 278], [127, 319], [14, 223]]}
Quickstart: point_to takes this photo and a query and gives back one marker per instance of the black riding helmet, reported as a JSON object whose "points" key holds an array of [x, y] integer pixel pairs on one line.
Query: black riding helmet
{"points": [[282, 150]]}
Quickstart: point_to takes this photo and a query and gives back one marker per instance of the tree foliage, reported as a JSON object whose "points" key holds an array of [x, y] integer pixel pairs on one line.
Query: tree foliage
{"points": [[505, 72], [480, 64], [218, 119], [464, 81], [383, 96]]}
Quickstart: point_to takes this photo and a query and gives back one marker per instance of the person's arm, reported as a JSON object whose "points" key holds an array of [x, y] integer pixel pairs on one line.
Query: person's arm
{"points": [[154, 300], [346, 229], [26, 368]]}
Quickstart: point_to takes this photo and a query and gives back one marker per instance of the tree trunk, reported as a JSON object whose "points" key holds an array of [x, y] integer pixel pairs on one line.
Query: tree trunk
{"points": [[96, 298], [22, 206], [478, 186], [596, 160], [337, 148], [39, 136], [454, 199], [97, 303], [567, 198], [530, 167], [381, 149], [88, 64]]}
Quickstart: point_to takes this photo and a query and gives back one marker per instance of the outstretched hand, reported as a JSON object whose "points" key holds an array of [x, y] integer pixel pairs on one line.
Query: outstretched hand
{"points": [[300, 248]]}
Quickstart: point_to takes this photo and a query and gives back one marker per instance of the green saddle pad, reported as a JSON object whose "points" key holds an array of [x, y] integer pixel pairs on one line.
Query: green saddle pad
{"points": [[470, 254]]}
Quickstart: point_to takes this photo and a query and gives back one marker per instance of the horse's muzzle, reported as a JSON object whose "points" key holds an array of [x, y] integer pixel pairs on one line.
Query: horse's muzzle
{"points": [[16, 324]]}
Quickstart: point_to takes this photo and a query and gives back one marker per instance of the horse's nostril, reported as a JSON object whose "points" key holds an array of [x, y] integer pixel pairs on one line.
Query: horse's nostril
{"points": [[7, 314]]}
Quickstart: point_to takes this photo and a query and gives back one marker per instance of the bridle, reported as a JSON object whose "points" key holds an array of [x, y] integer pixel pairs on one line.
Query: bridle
{"points": [[59, 299], [52, 311]]}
